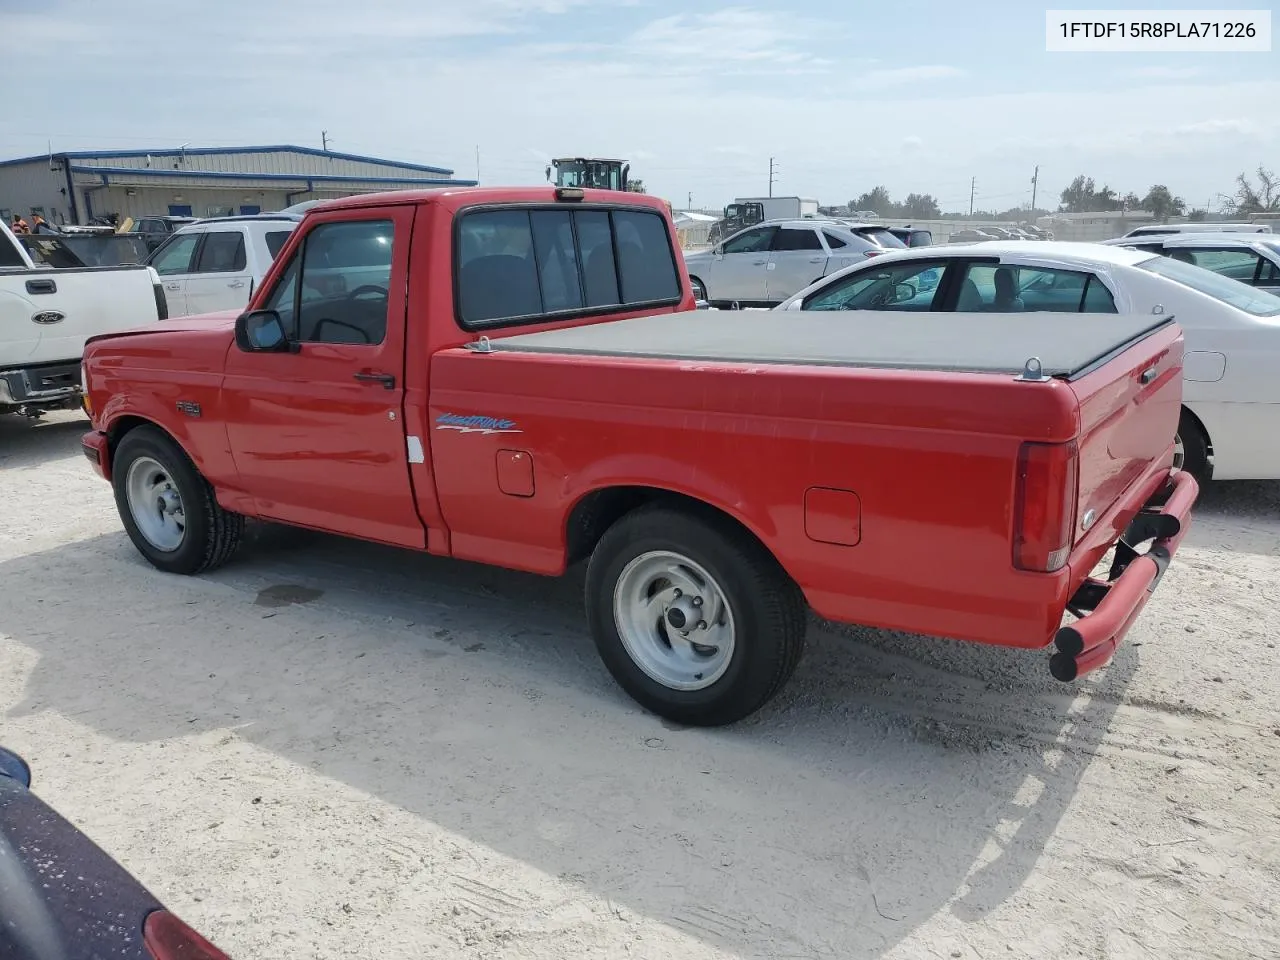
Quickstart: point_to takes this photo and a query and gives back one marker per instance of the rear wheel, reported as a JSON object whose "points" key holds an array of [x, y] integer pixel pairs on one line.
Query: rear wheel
{"points": [[1191, 449], [168, 509], [694, 619]]}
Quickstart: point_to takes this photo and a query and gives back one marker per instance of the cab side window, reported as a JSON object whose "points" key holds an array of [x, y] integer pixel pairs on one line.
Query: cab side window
{"points": [[752, 241], [335, 288], [174, 256], [223, 252], [794, 238]]}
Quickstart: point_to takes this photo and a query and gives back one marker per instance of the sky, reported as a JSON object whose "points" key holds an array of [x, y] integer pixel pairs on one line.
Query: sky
{"points": [[915, 95]]}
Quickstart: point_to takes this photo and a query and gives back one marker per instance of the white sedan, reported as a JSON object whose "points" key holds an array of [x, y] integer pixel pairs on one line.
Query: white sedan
{"points": [[1230, 426]]}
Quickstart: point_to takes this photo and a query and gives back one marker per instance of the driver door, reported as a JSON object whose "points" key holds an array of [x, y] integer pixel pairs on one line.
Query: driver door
{"points": [[317, 434]]}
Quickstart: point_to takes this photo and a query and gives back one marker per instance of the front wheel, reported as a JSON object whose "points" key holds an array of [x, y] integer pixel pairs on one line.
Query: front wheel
{"points": [[699, 288], [692, 617], [168, 509]]}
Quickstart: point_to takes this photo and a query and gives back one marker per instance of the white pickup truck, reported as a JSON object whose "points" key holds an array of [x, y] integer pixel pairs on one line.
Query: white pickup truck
{"points": [[47, 313]]}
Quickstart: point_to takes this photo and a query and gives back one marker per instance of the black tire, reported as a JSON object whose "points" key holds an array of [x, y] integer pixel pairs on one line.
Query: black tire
{"points": [[1195, 449], [211, 533], [769, 612], [699, 288]]}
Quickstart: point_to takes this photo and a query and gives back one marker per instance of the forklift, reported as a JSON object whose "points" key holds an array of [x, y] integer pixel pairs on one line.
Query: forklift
{"points": [[593, 173]]}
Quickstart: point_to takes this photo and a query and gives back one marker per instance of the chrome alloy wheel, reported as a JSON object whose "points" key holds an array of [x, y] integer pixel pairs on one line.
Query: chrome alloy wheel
{"points": [[673, 620], [156, 504]]}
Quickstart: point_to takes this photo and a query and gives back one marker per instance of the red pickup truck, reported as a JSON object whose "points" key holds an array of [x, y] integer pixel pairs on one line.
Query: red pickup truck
{"points": [[519, 377]]}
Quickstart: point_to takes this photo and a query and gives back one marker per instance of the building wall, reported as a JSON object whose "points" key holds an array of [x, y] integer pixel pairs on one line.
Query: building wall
{"points": [[205, 200], [279, 161], [149, 184], [26, 186]]}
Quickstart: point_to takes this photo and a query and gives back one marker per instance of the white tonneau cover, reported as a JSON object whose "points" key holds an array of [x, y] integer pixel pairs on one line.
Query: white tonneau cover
{"points": [[1065, 343]]}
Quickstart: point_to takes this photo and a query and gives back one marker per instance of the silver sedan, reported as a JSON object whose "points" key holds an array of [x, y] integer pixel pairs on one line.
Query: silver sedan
{"points": [[767, 263]]}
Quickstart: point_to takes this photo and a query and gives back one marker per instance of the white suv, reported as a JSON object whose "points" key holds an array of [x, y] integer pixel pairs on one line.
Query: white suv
{"points": [[216, 264]]}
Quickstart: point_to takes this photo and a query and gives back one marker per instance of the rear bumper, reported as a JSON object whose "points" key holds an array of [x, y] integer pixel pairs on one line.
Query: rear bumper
{"points": [[1108, 608], [94, 446], [41, 385]]}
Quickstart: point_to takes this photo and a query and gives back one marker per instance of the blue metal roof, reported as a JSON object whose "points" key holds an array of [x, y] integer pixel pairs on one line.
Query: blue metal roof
{"points": [[216, 151], [107, 172]]}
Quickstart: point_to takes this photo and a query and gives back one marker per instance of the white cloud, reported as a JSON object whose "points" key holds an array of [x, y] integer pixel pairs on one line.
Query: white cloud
{"points": [[1160, 73], [905, 76]]}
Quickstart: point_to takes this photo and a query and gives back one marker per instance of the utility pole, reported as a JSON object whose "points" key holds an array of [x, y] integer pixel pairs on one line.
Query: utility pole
{"points": [[772, 169], [1035, 182], [973, 185], [477, 163], [689, 206], [324, 140]]}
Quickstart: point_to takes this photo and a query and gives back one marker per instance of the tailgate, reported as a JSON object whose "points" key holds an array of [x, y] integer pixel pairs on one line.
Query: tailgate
{"points": [[1129, 408]]}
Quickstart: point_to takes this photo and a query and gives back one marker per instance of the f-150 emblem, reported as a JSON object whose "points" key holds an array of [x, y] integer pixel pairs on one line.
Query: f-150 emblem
{"points": [[48, 316]]}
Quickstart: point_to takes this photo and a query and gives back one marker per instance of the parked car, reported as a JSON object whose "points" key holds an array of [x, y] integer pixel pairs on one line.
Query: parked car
{"points": [[765, 264], [156, 230], [517, 376], [1162, 229], [1252, 258], [971, 235], [47, 312], [63, 898], [1231, 405], [913, 236], [216, 264]]}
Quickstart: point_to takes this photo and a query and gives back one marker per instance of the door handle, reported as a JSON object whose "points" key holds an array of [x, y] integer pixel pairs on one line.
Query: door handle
{"points": [[386, 379], [173, 286], [1147, 376], [234, 284], [759, 263], [816, 259], [41, 286]]}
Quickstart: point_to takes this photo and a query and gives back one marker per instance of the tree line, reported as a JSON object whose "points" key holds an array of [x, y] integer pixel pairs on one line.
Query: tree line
{"points": [[1259, 193], [1248, 196]]}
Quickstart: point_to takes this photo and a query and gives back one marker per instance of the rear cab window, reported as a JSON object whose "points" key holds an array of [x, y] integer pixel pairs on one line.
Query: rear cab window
{"points": [[518, 265]]}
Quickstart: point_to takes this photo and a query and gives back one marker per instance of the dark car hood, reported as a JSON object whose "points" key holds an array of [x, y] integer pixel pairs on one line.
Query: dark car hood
{"points": [[61, 896]]}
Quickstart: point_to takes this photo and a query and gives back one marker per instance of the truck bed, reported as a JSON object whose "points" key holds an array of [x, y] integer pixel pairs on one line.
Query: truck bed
{"points": [[1067, 345]]}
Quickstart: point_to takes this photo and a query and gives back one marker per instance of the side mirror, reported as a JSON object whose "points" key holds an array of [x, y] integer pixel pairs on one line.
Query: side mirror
{"points": [[903, 291], [795, 305], [261, 331], [548, 174]]}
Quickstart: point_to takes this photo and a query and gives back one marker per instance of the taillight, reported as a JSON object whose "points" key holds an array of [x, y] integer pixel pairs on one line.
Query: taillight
{"points": [[1044, 507], [168, 938]]}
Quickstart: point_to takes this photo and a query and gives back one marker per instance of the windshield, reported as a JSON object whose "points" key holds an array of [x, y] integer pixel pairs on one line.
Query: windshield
{"points": [[1233, 292]]}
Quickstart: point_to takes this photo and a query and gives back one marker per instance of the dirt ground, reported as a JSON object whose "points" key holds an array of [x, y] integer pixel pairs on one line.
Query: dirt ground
{"points": [[334, 750]]}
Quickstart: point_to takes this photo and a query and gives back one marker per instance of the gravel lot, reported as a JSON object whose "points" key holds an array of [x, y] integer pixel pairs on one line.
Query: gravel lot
{"points": [[335, 750]]}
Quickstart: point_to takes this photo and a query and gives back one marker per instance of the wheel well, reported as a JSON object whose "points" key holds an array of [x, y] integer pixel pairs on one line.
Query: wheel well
{"points": [[119, 428], [1208, 440], [599, 510]]}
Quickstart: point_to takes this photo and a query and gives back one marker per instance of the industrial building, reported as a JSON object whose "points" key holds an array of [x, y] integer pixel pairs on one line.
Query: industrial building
{"points": [[76, 187]]}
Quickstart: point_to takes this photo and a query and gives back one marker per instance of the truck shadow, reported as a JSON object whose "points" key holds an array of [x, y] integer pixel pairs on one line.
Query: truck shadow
{"points": [[25, 442], [867, 800]]}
